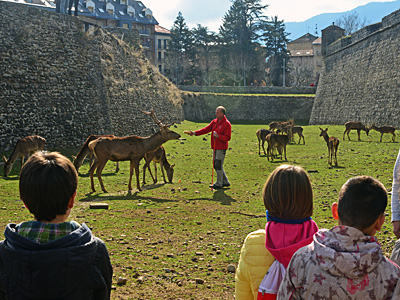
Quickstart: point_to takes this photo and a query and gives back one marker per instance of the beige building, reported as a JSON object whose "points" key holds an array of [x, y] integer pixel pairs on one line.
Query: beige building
{"points": [[162, 36], [305, 60]]}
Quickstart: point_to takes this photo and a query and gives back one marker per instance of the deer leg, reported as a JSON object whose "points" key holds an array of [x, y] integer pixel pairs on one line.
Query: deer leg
{"points": [[137, 175], [394, 137], [348, 135], [358, 132], [93, 167], [98, 173], [284, 149], [259, 146], [162, 170], [130, 174], [263, 142], [381, 137], [344, 133], [146, 166], [117, 167]]}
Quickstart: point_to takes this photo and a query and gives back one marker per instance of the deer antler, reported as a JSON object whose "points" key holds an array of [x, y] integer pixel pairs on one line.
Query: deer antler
{"points": [[153, 116]]}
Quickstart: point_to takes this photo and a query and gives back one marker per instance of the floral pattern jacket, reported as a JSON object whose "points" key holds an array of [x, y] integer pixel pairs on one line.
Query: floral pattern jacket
{"points": [[341, 263]]}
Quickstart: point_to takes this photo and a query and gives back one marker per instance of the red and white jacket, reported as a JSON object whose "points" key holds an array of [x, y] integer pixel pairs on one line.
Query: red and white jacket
{"points": [[223, 127]]}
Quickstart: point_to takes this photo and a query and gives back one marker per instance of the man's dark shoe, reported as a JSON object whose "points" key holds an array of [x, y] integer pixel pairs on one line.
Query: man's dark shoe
{"points": [[226, 184], [215, 187]]}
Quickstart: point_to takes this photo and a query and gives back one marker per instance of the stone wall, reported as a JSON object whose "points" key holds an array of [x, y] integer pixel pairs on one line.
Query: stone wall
{"points": [[361, 78], [249, 89], [63, 84], [247, 108]]}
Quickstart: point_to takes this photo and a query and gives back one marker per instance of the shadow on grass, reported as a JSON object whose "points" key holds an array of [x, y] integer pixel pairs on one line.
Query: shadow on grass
{"points": [[128, 196], [11, 178], [102, 174], [220, 196]]}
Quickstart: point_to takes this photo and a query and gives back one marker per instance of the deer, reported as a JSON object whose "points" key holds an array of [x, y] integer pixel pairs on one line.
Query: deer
{"points": [[385, 129], [332, 144], [129, 148], [80, 157], [24, 147], [261, 135], [299, 131], [355, 126], [158, 156], [279, 141]]}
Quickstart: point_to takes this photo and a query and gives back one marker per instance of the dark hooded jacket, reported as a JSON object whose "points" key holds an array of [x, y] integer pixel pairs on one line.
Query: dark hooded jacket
{"points": [[74, 267]]}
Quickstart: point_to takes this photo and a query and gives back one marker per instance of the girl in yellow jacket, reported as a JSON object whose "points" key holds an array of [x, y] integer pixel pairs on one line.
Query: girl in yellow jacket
{"points": [[288, 199]]}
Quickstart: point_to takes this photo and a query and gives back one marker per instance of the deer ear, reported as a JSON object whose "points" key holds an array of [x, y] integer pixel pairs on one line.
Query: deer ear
{"points": [[172, 166], [4, 159], [326, 129], [320, 128]]}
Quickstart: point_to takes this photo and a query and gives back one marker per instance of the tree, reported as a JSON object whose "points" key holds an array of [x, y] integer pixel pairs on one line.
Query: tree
{"points": [[351, 22], [275, 38], [205, 42], [179, 55], [239, 34]]}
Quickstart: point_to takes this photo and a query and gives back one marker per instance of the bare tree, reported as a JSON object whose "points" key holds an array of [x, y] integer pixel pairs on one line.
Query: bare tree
{"points": [[351, 22]]}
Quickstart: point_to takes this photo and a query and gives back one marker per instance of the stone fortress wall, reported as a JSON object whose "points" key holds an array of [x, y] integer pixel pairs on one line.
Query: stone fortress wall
{"points": [[64, 84], [361, 77]]}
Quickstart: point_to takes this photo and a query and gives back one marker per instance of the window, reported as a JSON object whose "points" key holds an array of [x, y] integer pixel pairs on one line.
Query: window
{"points": [[126, 26], [159, 55], [159, 43], [160, 68], [131, 11], [101, 10], [165, 44]]}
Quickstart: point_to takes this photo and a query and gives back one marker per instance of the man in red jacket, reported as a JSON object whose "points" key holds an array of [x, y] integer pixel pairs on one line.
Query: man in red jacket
{"points": [[220, 129]]}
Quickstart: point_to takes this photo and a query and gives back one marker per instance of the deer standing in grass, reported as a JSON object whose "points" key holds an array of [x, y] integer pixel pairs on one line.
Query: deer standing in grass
{"points": [[299, 131], [261, 136], [24, 147], [385, 129], [355, 126], [132, 148], [278, 141], [158, 156], [333, 145], [80, 157]]}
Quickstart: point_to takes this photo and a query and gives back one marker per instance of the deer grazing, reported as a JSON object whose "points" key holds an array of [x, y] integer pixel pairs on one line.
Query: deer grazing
{"points": [[385, 129], [261, 136], [132, 148], [332, 143], [158, 156], [278, 141], [24, 147], [80, 157], [355, 126]]}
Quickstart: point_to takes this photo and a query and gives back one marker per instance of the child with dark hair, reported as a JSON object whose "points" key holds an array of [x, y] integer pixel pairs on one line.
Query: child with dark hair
{"points": [[265, 254], [346, 262], [50, 257]]}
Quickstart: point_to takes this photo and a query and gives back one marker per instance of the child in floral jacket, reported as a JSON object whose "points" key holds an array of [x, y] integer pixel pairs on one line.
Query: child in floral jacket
{"points": [[346, 262]]}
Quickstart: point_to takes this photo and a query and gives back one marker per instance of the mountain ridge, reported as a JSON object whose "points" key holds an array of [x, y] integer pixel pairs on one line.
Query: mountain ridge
{"points": [[373, 11]]}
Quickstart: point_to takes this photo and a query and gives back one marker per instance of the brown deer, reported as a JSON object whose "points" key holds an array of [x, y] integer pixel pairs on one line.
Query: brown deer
{"points": [[385, 129], [299, 131], [132, 148], [158, 156], [332, 143], [80, 157], [278, 141], [24, 147], [355, 126], [261, 135]]}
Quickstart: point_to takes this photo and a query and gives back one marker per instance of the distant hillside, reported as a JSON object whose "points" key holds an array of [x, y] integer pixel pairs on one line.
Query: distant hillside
{"points": [[374, 12]]}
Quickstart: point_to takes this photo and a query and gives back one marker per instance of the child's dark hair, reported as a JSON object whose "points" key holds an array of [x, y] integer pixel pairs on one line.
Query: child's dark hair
{"points": [[362, 200], [288, 193], [47, 182]]}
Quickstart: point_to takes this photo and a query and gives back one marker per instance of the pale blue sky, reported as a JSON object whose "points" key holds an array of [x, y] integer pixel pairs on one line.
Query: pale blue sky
{"points": [[210, 12]]}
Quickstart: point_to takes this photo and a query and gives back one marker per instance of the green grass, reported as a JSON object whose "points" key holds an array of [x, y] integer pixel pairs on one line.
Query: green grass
{"points": [[155, 234]]}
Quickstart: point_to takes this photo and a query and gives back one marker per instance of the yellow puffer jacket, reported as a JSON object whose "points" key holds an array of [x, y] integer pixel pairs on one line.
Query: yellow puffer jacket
{"points": [[254, 263]]}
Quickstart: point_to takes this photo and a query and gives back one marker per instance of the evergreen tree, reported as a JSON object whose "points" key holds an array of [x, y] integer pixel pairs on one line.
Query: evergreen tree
{"points": [[275, 38], [239, 35], [180, 51], [205, 42]]}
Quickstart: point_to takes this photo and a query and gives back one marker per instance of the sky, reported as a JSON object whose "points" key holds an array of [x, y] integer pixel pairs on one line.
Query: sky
{"points": [[209, 13]]}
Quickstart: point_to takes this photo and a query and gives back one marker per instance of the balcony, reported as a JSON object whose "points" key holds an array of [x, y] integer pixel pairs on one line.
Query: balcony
{"points": [[144, 32]]}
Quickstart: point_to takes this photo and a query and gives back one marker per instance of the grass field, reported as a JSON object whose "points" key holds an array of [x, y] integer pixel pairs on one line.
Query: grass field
{"points": [[176, 240]]}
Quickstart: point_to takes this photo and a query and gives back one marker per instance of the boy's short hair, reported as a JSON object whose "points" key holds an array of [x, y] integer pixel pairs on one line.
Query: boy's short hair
{"points": [[288, 194], [362, 200], [47, 182]]}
